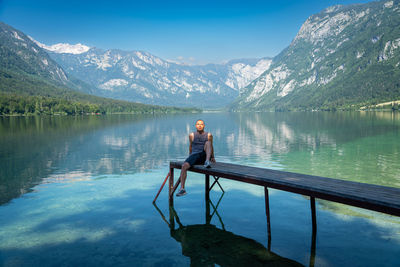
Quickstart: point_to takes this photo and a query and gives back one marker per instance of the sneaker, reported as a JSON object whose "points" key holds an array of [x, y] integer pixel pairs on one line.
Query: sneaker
{"points": [[181, 192], [207, 164]]}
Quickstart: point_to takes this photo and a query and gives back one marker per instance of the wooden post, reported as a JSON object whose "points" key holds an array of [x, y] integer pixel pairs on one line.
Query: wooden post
{"points": [[314, 232], [207, 187], [207, 198], [268, 217], [171, 187]]}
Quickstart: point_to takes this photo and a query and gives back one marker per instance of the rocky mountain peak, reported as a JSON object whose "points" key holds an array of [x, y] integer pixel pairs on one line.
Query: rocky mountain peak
{"points": [[27, 53], [141, 76], [340, 57]]}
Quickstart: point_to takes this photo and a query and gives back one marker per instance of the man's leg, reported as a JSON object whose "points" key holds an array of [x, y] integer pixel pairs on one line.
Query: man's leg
{"points": [[185, 167], [208, 150]]}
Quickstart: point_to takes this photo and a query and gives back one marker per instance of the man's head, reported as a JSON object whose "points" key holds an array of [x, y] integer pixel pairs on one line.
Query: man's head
{"points": [[200, 125]]}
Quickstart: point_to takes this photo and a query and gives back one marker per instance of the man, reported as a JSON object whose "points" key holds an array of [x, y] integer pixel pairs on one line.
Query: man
{"points": [[201, 151]]}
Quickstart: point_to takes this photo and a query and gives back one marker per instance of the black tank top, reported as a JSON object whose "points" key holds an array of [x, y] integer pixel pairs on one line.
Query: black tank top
{"points": [[199, 141]]}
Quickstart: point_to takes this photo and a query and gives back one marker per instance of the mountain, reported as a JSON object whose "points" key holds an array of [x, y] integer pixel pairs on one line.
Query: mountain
{"points": [[32, 82], [142, 77], [342, 57], [21, 57], [19, 54]]}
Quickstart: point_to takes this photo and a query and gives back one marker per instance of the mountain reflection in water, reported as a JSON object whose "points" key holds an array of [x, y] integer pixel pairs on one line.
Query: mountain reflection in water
{"points": [[37, 149]]}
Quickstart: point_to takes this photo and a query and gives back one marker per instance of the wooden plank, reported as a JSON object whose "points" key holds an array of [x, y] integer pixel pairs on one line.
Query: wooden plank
{"points": [[373, 197]]}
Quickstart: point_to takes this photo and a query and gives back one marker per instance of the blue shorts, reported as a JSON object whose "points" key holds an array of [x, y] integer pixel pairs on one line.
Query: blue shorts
{"points": [[196, 158]]}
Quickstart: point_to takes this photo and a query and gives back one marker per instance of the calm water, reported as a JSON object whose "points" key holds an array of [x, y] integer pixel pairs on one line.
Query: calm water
{"points": [[79, 190]]}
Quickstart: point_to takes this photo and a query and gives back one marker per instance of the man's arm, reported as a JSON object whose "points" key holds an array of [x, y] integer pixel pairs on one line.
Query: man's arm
{"points": [[191, 138], [210, 138]]}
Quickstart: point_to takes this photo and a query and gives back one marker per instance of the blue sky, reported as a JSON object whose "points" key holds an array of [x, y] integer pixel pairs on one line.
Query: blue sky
{"points": [[195, 32]]}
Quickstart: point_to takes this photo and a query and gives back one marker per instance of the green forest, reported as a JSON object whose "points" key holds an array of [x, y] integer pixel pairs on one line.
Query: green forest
{"points": [[11, 104], [27, 94]]}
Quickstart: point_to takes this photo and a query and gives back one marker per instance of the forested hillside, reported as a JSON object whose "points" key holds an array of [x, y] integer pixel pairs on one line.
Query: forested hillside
{"points": [[32, 83]]}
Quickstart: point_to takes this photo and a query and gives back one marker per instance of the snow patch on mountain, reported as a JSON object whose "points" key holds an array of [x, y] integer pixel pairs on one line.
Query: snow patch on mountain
{"points": [[150, 59], [390, 48], [16, 36], [63, 48], [128, 71], [388, 4], [99, 61], [267, 82], [327, 79], [309, 80], [111, 84], [242, 74], [341, 42], [34, 50], [45, 62], [143, 91], [287, 88], [137, 64]]}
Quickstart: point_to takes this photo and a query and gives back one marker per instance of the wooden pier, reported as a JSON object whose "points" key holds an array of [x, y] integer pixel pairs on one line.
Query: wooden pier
{"points": [[372, 197]]}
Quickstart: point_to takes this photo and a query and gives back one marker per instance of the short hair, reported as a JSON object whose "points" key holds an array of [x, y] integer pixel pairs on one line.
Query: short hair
{"points": [[200, 120]]}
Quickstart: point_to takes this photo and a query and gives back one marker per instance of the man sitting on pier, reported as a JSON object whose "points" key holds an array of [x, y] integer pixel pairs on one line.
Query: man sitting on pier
{"points": [[201, 151]]}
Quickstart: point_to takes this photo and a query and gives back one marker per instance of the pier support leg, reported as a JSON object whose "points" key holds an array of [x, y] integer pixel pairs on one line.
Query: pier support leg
{"points": [[207, 198], [313, 215], [314, 232], [207, 187], [268, 217], [171, 187]]}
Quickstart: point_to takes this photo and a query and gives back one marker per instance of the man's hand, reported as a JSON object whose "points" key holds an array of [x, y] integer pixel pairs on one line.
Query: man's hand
{"points": [[213, 160]]}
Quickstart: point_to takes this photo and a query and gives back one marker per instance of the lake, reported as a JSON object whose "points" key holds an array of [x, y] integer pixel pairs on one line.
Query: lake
{"points": [[79, 190]]}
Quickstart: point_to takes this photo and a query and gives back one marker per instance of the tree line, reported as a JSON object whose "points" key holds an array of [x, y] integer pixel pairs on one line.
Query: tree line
{"points": [[12, 104]]}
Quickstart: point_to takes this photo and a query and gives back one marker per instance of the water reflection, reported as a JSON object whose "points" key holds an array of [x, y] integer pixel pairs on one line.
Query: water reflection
{"points": [[37, 149], [206, 245], [364, 144], [266, 134]]}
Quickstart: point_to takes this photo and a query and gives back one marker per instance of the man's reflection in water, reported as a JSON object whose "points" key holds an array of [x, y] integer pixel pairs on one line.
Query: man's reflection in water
{"points": [[206, 245]]}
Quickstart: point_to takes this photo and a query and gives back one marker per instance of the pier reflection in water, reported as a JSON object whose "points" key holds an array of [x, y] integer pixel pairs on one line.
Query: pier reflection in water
{"points": [[206, 244]]}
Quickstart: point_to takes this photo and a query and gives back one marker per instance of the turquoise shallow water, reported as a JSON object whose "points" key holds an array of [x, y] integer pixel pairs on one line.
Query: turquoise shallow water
{"points": [[78, 191]]}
